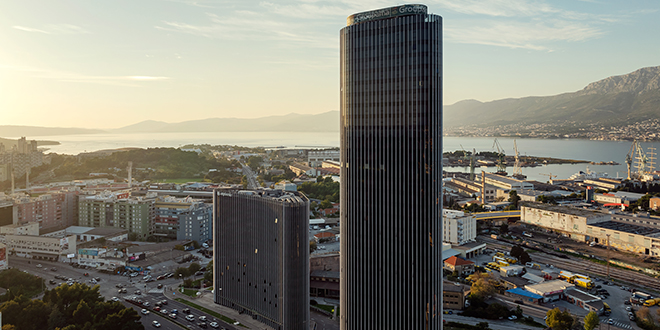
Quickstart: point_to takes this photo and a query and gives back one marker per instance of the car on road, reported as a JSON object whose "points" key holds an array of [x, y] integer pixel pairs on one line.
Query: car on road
{"points": [[155, 324], [157, 308], [52, 282], [138, 292], [175, 311], [190, 317], [39, 266], [146, 303], [201, 324], [202, 318], [610, 321], [164, 311], [186, 310], [214, 325], [172, 315], [144, 312], [160, 285], [164, 302], [513, 317], [53, 269], [115, 299], [119, 285]]}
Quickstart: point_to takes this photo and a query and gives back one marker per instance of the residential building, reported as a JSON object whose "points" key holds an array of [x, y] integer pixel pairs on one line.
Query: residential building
{"points": [[458, 227], [55, 210], [461, 266], [391, 169], [315, 158], [136, 215], [261, 255], [183, 219], [454, 295], [97, 210]]}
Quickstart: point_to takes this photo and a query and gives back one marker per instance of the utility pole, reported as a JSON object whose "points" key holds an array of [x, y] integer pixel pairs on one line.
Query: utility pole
{"points": [[608, 258]]}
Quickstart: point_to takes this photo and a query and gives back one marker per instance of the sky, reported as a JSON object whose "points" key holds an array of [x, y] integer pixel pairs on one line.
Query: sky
{"points": [[109, 64]]}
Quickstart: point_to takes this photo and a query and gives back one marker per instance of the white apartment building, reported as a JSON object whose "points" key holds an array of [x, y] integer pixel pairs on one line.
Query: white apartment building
{"points": [[458, 228]]}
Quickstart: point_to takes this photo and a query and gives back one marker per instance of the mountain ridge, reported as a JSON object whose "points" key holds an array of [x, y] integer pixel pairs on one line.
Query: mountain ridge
{"points": [[615, 100]]}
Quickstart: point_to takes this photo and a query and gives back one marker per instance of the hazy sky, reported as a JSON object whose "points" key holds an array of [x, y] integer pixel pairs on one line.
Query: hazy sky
{"points": [[106, 64]]}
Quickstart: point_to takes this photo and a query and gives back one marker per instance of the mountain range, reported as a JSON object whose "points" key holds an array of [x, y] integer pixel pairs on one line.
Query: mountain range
{"points": [[617, 100]]}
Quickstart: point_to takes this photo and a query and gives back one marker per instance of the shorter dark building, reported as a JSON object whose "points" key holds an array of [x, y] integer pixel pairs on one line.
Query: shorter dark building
{"points": [[324, 284], [524, 295], [261, 255]]}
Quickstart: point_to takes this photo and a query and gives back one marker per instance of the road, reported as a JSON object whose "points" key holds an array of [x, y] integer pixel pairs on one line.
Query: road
{"points": [[108, 289], [251, 177]]}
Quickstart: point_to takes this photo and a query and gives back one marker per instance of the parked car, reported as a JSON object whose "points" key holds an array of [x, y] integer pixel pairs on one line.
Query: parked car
{"points": [[513, 317], [519, 302]]}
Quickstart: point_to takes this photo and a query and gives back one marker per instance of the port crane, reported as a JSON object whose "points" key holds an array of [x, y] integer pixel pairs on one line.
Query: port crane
{"points": [[517, 170], [550, 176], [471, 158], [501, 167]]}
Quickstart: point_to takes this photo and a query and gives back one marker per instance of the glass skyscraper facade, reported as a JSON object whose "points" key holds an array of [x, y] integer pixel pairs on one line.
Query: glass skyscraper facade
{"points": [[391, 170]]}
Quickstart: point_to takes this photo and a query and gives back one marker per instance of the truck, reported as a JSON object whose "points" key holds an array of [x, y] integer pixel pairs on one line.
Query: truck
{"points": [[652, 302], [528, 234], [567, 276], [607, 309], [493, 266], [587, 284], [639, 295], [584, 277], [533, 265]]}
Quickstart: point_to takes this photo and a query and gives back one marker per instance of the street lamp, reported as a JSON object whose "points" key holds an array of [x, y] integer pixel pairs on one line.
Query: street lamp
{"points": [[181, 277]]}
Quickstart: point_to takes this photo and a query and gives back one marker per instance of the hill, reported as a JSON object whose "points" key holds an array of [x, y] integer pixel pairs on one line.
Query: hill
{"points": [[32, 131], [324, 122], [617, 100]]}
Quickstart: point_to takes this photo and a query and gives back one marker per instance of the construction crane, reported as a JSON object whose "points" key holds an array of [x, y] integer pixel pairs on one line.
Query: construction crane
{"points": [[501, 167], [550, 176]]}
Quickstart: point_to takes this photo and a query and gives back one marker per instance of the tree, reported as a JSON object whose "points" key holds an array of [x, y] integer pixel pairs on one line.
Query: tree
{"points": [[514, 198], [516, 251], [591, 321], [558, 320], [325, 204], [483, 284], [524, 258], [183, 271], [194, 268], [644, 314], [504, 228]]}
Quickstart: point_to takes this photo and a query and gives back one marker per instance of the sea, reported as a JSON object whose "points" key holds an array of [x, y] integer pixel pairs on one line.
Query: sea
{"points": [[589, 150]]}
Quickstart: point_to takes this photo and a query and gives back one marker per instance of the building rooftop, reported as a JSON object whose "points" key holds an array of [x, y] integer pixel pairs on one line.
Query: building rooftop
{"points": [[456, 261], [468, 247], [580, 295], [504, 179], [325, 274], [549, 286], [77, 230], [106, 231], [564, 209], [454, 287], [281, 195], [627, 227], [517, 281], [524, 293]]}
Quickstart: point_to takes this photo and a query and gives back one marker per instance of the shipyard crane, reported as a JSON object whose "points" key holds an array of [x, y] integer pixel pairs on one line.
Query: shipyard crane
{"points": [[550, 176], [471, 158], [501, 167], [517, 170]]}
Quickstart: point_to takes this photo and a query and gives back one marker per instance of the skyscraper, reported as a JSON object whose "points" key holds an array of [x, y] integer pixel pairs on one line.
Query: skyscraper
{"points": [[391, 169], [261, 255]]}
